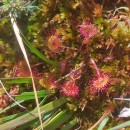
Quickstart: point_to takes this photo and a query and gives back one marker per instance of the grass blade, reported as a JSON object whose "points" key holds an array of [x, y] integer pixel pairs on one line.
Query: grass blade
{"points": [[103, 123], [122, 125], [38, 53], [16, 80], [30, 95], [7, 118], [31, 123], [2, 85], [58, 120], [29, 117], [44, 118], [20, 42], [10, 106], [70, 125]]}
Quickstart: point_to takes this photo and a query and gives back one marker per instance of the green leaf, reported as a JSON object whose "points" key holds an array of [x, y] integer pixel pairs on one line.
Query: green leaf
{"points": [[122, 125], [58, 120], [7, 118], [43, 100], [29, 117], [98, 21], [44, 118], [31, 123], [6, 2], [70, 125], [32, 8], [103, 123], [16, 80], [10, 106], [37, 53], [30, 95]]}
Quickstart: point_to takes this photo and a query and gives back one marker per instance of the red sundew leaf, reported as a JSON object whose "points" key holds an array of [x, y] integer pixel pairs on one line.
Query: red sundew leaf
{"points": [[54, 42], [69, 88], [99, 83], [48, 82], [88, 31]]}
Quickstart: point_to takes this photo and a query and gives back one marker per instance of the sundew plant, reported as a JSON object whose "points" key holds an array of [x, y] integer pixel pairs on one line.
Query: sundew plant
{"points": [[64, 65]]}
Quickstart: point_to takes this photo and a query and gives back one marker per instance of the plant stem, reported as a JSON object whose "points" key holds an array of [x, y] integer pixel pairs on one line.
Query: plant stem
{"points": [[72, 71], [95, 66]]}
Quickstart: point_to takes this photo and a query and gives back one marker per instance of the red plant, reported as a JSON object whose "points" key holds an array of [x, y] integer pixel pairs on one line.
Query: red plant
{"points": [[100, 82], [5, 99], [88, 31], [54, 43], [48, 82], [70, 89], [21, 70], [52, 84]]}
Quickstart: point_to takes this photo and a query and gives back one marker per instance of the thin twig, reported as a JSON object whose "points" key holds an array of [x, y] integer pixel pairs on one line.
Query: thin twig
{"points": [[12, 97], [17, 34], [122, 99], [53, 115], [72, 71], [117, 9], [95, 66], [106, 113]]}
